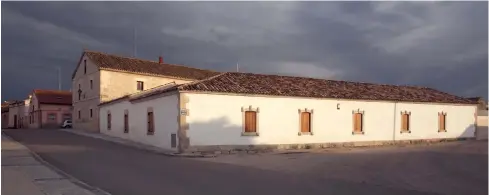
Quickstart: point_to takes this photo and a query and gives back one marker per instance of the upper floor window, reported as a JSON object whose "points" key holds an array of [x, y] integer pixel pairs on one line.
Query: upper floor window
{"points": [[85, 65], [91, 84], [140, 85], [91, 113]]}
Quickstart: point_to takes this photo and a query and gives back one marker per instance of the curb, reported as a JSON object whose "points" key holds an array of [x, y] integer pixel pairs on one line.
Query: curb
{"points": [[142, 146], [75, 181]]}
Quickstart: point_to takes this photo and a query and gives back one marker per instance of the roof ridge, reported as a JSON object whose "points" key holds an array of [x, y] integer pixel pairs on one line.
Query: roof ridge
{"points": [[200, 81], [347, 81], [140, 59]]}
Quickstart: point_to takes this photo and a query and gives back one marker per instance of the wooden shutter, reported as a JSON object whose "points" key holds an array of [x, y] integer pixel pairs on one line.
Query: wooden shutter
{"points": [[357, 120], [150, 122], [250, 121], [109, 121], [305, 122], [441, 121], [405, 122], [126, 123]]}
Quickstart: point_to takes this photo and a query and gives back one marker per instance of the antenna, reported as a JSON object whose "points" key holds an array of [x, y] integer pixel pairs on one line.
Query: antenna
{"points": [[134, 43]]}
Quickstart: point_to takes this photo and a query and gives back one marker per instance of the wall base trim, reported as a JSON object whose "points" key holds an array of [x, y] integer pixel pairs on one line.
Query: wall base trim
{"points": [[233, 149]]}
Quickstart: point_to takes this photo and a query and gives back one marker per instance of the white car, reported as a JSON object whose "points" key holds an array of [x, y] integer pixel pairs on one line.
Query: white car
{"points": [[66, 124]]}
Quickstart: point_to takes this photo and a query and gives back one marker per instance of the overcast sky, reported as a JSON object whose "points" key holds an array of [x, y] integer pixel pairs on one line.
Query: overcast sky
{"points": [[435, 44]]}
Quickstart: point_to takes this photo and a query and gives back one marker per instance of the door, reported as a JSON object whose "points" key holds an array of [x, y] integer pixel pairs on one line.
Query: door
{"points": [[15, 121]]}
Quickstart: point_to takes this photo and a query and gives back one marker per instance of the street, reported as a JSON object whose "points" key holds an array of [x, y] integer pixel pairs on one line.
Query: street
{"points": [[122, 170]]}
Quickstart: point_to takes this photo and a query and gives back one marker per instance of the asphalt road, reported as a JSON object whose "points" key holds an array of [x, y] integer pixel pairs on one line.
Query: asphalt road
{"points": [[122, 170]]}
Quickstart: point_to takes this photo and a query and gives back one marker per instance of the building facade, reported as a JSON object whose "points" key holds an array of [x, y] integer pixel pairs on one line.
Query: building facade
{"points": [[242, 110], [5, 115], [101, 77], [49, 108]]}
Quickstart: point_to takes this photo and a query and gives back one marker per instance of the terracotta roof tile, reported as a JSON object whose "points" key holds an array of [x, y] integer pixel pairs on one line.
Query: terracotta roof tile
{"points": [[53, 97], [248, 83], [114, 62]]}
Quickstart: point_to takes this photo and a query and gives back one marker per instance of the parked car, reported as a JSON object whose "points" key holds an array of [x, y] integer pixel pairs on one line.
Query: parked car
{"points": [[66, 124]]}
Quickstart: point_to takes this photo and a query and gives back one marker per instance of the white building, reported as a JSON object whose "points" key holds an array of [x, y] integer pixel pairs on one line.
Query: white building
{"points": [[241, 110]]}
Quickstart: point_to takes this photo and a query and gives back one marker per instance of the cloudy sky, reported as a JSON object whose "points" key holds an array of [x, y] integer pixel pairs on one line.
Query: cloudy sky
{"points": [[436, 44]]}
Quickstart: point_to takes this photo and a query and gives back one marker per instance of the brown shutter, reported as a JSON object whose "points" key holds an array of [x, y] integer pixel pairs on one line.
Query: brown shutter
{"points": [[126, 123], [358, 122], [305, 122], [405, 122], [150, 122], [250, 121], [441, 121]]}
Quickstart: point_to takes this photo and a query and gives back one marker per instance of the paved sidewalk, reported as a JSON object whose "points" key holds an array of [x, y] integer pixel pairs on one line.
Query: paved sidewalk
{"points": [[134, 144], [23, 174]]}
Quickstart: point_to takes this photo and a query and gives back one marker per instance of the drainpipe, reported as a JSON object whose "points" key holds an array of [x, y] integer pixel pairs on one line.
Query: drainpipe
{"points": [[394, 126]]}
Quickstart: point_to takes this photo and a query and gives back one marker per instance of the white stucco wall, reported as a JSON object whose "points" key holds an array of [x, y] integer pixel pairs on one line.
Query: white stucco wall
{"points": [[165, 111], [217, 120]]}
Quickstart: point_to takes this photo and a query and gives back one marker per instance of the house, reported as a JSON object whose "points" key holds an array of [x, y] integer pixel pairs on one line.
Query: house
{"points": [[49, 108], [101, 77], [16, 114], [482, 128], [5, 115], [243, 110]]}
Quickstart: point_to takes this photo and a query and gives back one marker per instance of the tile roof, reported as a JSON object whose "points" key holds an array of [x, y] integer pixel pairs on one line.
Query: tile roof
{"points": [[248, 83], [53, 97], [120, 63], [146, 93]]}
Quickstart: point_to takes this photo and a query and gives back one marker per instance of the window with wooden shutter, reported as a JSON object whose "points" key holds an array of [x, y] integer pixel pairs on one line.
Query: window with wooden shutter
{"points": [[405, 122], [151, 126], [442, 122], [305, 122], [250, 121], [109, 121], [126, 122], [358, 122]]}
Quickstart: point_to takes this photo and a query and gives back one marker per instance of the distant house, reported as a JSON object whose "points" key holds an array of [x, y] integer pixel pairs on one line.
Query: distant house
{"points": [[101, 77], [5, 114], [16, 114], [49, 108], [243, 110]]}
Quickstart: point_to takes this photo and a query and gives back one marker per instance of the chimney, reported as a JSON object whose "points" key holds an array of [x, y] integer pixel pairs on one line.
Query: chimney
{"points": [[160, 60]]}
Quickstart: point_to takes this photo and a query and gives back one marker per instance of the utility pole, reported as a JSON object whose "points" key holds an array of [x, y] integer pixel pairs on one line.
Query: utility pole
{"points": [[134, 43], [59, 77]]}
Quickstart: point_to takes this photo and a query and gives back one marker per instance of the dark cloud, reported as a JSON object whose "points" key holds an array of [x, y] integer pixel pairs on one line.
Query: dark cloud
{"points": [[436, 44]]}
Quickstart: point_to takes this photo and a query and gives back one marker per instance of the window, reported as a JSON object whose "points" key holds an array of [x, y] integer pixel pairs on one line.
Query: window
{"points": [[250, 121], [79, 114], [126, 122], [151, 125], [85, 65], [140, 85], [91, 84], [358, 122], [405, 120], [66, 116], [109, 121], [91, 113], [52, 117], [442, 122], [305, 121]]}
